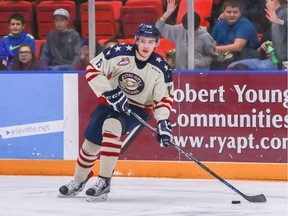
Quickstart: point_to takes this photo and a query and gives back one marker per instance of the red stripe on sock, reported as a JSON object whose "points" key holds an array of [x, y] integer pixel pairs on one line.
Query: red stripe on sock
{"points": [[108, 135], [86, 154], [86, 160], [84, 166], [106, 144], [109, 154]]}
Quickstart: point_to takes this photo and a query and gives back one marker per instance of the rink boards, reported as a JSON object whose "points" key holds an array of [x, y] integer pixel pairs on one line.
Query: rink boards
{"points": [[235, 123]]}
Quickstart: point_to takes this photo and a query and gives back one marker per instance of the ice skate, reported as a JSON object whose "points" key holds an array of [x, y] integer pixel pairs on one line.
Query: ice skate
{"points": [[73, 188], [99, 191]]}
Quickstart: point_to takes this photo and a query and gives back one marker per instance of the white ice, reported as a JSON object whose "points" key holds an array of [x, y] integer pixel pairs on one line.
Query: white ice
{"points": [[37, 196]]}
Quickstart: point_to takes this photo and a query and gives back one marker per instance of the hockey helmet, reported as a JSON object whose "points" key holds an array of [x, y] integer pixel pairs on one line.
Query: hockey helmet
{"points": [[147, 30]]}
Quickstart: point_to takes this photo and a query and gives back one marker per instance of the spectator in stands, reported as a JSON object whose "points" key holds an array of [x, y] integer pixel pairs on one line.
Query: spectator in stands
{"points": [[250, 8], [62, 49], [84, 60], [274, 8], [205, 52], [277, 14], [110, 43], [235, 35], [10, 44], [25, 59]]}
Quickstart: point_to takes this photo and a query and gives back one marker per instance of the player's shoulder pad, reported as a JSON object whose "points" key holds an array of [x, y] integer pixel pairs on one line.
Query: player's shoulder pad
{"points": [[158, 61], [119, 50]]}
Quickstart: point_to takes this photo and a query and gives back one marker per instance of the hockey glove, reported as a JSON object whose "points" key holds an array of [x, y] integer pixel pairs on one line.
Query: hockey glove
{"points": [[117, 100], [164, 136]]}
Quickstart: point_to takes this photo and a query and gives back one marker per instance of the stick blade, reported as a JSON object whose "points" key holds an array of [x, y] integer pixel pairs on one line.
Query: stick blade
{"points": [[258, 198]]}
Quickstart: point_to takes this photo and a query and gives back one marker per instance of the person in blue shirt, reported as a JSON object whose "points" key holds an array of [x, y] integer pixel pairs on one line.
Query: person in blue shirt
{"points": [[10, 43], [235, 35]]}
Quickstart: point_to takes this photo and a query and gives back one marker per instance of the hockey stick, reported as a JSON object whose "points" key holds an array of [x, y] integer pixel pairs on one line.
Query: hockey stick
{"points": [[256, 198]]}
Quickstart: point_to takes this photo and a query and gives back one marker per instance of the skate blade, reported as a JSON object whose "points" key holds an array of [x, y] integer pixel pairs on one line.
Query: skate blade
{"points": [[101, 198], [67, 196]]}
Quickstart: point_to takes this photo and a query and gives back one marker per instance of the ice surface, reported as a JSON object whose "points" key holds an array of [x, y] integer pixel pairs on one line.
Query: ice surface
{"points": [[37, 196]]}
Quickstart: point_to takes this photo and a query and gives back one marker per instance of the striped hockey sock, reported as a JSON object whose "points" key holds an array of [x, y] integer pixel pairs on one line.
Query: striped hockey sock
{"points": [[86, 159]]}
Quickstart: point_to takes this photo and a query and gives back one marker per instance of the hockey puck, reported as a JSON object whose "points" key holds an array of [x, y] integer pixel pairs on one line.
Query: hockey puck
{"points": [[236, 202]]}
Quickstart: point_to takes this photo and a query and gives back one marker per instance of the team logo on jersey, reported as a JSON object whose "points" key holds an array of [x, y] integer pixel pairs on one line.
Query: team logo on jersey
{"points": [[131, 83], [124, 61]]}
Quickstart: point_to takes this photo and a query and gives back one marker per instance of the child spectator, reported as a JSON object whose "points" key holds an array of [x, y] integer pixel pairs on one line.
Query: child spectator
{"points": [[205, 52], [250, 8], [235, 35], [25, 59], [62, 49], [10, 44]]}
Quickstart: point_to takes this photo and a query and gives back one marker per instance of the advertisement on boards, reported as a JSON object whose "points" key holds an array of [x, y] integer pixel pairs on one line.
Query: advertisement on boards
{"points": [[217, 117], [38, 116]]}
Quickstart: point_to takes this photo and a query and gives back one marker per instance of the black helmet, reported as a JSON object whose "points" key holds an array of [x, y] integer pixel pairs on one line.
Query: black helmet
{"points": [[147, 30]]}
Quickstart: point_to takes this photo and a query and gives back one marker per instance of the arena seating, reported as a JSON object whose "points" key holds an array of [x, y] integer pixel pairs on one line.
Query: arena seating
{"points": [[132, 16], [39, 43], [112, 20], [156, 3], [107, 16], [8, 7], [44, 13], [202, 7]]}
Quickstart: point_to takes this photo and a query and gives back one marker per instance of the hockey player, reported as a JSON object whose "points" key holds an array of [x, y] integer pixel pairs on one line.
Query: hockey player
{"points": [[124, 77]]}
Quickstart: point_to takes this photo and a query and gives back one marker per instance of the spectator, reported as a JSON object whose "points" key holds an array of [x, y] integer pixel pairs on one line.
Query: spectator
{"points": [[205, 52], [84, 60], [110, 43], [263, 62], [25, 59], [277, 14], [10, 44], [250, 8], [62, 49], [235, 35]]}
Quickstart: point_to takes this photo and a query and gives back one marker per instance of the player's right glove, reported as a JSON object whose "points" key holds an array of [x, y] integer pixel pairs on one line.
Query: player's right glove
{"points": [[164, 136], [117, 100]]}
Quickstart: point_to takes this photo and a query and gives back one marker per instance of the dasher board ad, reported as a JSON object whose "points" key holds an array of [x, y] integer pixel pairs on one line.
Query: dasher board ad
{"points": [[36, 111], [225, 118]]}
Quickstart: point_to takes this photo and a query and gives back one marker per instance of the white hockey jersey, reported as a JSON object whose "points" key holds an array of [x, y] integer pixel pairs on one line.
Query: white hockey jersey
{"points": [[148, 85]]}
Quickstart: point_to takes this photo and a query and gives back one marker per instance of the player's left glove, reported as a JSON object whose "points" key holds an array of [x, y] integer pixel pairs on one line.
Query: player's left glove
{"points": [[164, 136], [117, 100]]}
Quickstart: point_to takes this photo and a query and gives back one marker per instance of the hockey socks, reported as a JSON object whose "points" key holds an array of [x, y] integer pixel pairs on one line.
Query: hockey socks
{"points": [[111, 146], [86, 159]]}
